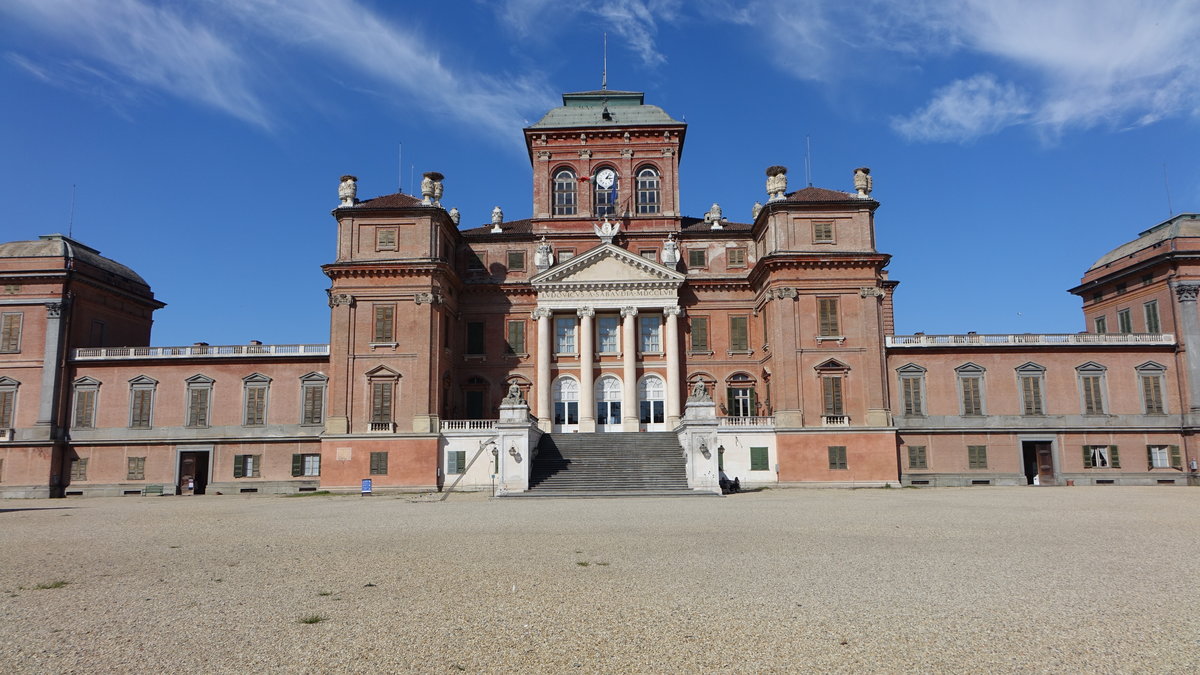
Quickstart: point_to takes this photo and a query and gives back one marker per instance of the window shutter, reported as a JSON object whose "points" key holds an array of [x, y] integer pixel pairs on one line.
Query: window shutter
{"points": [[312, 404], [739, 341], [85, 404], [381, 402], [753, 401], [828, 318], [7, 399], [1152, 394], [1114, 459], [10, 333], [1031, 391], [239, 466], [700, 334], [1176, 457], [1149, 457], [833, 395], [758, 459], [1087, 456], [384, 315], [140, 417], [297, 465], [198, 408]]}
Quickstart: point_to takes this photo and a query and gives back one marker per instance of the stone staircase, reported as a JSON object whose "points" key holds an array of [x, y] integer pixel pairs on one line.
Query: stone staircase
{"points": [[644, 464]]}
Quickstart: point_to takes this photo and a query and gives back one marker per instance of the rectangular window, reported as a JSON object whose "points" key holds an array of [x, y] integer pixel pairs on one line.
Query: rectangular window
{"points": [[564, 336], [385, 324], [8, 403], [456, 462], [137, 469], [608, 333], [742, 401], [827, 315], [737, 257], [1101, 324], [1164, 457], [649, 253], [972, 395], [1124, 321], [976, 456], [916, 457], [739, 334], [247, 466], [476, 262], [822, 232], [381, 402], [697, 258], [516, 261], [385, 239], [198, 399], [140, 408], [831, 393], [911, 387], [1093, 401], [475, 338], [314, 404], [379, 463], [85, 408], [650, 334], [1152, 394], [256, 406], [565, 254], [1031, 395], [516, 337], [1101, 457], [699, 333], [1150, 309], [306, 465], [758, 459], [837, 457], [79, 469], [10, 332]]}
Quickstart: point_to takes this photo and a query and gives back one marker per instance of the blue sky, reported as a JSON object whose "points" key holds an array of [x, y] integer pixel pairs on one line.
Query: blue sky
{"points": [[1012, 143]]}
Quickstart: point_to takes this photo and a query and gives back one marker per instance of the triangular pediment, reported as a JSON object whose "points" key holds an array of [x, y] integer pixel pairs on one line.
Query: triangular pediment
{"points": [[608, 264]]}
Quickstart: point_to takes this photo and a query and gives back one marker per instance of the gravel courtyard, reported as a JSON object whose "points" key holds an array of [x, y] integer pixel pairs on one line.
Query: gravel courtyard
{"points": [[902, 580]]}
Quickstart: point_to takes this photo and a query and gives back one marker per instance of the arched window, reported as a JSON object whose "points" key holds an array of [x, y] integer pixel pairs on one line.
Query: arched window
{"points": [[651, 391], [608, 400], [564, 192], [605, 191], [566, 401], [740, 395], [649, 198]]}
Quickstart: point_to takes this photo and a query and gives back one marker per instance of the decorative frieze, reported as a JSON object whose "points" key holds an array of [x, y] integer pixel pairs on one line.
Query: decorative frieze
{"points": [[543, 155], [1187, 292], [336, 299], [585, 154], [870, 292], [427, 298], [54, 309]]}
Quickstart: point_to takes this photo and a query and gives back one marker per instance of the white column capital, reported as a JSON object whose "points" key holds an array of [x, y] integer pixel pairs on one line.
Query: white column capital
{"points": [[673, 310], [586, 311], [541, 313], [629, 311]]}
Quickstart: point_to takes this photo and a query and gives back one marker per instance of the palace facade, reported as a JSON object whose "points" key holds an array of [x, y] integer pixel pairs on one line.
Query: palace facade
{"points": [[767, 348]]}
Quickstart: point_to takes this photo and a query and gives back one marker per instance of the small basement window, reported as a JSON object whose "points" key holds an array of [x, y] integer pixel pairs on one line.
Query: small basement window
{"points": [[1162, 481], [249, 490], [138, 492], [1106, 481], [919, 482], [308, 489], [981, 482]]}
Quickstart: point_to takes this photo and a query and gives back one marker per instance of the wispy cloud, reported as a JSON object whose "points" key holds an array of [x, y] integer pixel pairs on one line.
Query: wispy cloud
{"points": [[1053, 66], [965, 110], [220, 56], [130, 43], [635, 22]]}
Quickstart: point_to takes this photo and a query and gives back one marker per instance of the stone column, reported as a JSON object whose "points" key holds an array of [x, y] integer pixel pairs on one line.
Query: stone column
{"points": [[545, 411], [51, 358], [1189, 325], [629, 402], [587, 371], [671, 340]]}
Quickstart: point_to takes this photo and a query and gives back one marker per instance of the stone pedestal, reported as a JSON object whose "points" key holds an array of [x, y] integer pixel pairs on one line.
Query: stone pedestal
{"points": [[517, 436], [698, 436]]}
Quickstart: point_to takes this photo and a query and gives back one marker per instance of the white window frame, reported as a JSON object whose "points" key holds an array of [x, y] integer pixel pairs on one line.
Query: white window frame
{"points": [[650, 334], [614, 337], [566, 332]]}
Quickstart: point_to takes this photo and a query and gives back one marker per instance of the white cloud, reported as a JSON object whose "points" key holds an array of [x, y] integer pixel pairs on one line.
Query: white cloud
{"points": [[132, 43], [1070, 64], [965, 110], [634, 22], [221, 55]]}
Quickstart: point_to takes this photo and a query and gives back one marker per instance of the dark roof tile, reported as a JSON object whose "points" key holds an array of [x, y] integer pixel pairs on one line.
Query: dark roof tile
{"points": [[392, 201], [816, 194], [523, 226]]}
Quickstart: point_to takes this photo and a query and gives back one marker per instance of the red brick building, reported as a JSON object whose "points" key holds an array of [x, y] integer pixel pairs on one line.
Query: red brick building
{"points": [[767, 348]]}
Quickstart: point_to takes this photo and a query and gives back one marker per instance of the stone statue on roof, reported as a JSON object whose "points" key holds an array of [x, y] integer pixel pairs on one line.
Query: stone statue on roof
{"points": [[607, 230], [863, 182], [543, 256], [348, 191], [776, 182], [670, 251]]}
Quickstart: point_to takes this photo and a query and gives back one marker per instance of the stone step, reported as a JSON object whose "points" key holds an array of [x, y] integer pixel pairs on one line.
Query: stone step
{"points": [[609, 464]]}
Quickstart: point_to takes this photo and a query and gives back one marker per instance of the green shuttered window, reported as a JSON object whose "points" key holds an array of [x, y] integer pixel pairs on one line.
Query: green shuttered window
{"points": [[758, 459]]}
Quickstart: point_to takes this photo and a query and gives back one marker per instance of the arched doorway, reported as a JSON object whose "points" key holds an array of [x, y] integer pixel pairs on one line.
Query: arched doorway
{"points": [[608, 403], [566, 405], [651, 392]]}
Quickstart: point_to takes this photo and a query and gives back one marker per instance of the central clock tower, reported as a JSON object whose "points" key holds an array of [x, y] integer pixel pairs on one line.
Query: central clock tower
{"points": [[605, 154]]}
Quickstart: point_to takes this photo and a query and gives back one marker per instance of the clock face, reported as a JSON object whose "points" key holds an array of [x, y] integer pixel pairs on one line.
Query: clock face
{"points": [[606, 178]]}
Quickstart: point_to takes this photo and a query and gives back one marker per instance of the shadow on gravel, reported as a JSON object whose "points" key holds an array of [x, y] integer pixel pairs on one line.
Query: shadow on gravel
{"points": [[39, 508]]}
